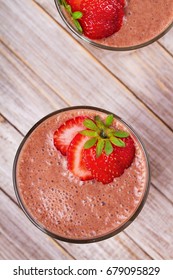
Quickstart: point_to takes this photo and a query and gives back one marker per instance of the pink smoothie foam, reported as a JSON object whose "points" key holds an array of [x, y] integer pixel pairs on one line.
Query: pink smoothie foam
{"points": [[66, 206]]}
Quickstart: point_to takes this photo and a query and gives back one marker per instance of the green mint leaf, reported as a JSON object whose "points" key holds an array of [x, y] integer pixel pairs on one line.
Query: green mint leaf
{"points": [[77, 15], [100, 146], [78, 26], [109, 120], [108, 147], [90, 124], [90, 143], [117, 142], [121, 134], [89, 133]]}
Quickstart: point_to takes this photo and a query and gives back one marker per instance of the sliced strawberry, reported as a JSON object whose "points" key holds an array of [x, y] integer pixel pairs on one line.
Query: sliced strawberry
{"points": [[66, 132], [75, 158]]}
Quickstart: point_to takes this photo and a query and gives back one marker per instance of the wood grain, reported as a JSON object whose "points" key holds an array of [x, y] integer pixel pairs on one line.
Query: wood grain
{"points": [[167, 41]]}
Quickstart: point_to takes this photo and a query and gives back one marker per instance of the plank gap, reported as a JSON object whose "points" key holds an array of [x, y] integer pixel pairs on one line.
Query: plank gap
{"points": [[5, 118], [61, 247], [133, 240], [165, 49], [15, 202], [162, 193]]}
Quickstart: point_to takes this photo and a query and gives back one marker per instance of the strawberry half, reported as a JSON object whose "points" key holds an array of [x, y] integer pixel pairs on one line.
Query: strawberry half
{"points": [[103, 168], [66, 132], [126, 154], [97, 18], [75, 158], [101, 18], [107, 167]]}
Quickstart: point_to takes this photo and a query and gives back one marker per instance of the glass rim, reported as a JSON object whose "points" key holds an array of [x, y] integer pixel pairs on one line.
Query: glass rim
{"points": [[91, 239], [105, 47]]}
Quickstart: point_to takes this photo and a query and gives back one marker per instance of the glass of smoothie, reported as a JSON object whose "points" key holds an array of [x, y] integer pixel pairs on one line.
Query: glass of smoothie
{"points": [[117, 24], [81, 174]]}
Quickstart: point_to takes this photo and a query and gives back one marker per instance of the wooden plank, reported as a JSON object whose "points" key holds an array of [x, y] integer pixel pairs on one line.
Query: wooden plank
{"points": [[153, 227], [147, 72], [23, 87], [21, 239], [9, 142], [76, 84], [167, 41]]}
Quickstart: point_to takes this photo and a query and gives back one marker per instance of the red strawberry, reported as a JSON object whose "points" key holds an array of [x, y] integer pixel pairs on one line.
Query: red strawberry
{"points": [[75, 158], [101, 18], [126, 154], [66, 132], [106, 167], [103, 168]]}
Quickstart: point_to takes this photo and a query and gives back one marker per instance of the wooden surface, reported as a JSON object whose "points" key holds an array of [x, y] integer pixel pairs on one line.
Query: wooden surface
{"points": [[45, 68]]}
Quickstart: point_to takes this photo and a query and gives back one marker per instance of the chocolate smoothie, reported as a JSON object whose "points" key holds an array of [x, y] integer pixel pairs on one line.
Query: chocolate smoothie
{"points": [[143, 22], [62, 204]]}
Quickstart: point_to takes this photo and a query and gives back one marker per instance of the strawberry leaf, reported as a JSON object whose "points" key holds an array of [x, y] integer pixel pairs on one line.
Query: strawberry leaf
{"points": [[68, 8], [99, 122], [117, 142], [90, 143], [90, 124], [109, 120], [77, 15], [89, 133], [121, 134], [78, 26], [100, 146], [108, 147]]}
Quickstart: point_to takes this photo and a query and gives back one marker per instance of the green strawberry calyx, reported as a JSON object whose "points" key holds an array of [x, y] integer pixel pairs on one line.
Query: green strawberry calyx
{"points": [[74, 15], [103, 135]]}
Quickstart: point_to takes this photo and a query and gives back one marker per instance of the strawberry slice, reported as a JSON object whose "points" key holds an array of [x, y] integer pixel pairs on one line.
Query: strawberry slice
{"points": [[75, 158], [66, 132]]}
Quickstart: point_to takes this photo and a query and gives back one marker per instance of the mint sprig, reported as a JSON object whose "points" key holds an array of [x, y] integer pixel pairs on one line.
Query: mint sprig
{"points": [[103, 135], [74, 15]]}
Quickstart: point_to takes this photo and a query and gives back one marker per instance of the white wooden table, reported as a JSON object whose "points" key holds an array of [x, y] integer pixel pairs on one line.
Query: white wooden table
{"points": [[45, 68]]}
